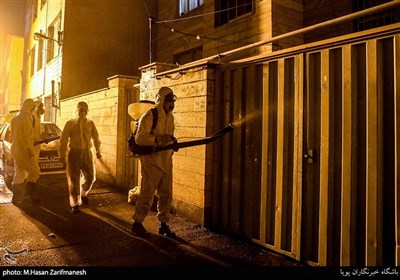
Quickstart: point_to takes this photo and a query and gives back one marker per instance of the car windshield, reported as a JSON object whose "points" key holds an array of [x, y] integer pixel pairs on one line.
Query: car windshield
{"points": [[51, 129]]}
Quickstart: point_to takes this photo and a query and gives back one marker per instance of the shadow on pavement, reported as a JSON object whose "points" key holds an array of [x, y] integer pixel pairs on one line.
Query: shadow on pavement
{"points": [[92, 237]]}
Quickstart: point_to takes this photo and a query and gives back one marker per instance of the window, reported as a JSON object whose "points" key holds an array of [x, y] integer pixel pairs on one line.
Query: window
{"points": [[55, 94], [47, 109], [40, 55], [227, 10], [32, 56], [188, 56], [50, 44], [188, 5], [382, 18]]}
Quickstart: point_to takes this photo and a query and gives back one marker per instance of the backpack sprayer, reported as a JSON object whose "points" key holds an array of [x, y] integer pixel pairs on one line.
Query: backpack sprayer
{"points": [[136, 110]]}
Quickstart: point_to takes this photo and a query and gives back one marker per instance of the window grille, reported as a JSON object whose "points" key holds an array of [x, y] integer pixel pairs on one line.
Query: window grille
{"points": [[227, 10], [382, 18], [186, 6]]}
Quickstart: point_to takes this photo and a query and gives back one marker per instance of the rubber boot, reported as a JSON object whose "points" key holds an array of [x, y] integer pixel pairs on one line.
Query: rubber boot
{"points": [[139, 230], [165, 230], [31, 190], [19, 192]]}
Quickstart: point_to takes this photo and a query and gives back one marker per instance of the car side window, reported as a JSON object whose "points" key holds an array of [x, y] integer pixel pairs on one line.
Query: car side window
{"points": [[1, 129], [8, 136]]}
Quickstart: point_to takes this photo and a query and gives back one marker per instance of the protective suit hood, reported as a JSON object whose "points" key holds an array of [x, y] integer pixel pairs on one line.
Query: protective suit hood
{"points": [[81, 105], [27, 106], [38, 103], [160, 97]]}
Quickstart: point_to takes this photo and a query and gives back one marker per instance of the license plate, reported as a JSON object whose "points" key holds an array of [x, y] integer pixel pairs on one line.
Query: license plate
{"points": [[52, 165]]}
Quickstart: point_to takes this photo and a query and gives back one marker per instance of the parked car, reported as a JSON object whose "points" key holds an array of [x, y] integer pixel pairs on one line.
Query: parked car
{"points": [[49, 159]]}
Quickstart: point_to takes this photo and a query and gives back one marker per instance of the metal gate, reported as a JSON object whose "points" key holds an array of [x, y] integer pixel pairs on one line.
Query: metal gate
{"points": [[311, 170], [259, 194]]}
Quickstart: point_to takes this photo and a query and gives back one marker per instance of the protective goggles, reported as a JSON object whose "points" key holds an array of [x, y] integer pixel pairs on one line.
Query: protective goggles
{"points": [[83, 110], [170, 98]]}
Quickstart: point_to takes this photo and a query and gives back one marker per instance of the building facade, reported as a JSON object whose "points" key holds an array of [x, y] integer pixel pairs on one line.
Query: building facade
{"points": [[73, 47]]}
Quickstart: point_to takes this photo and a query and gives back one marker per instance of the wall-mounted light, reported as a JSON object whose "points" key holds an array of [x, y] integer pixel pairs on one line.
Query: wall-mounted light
{"points": [[40, 36]]}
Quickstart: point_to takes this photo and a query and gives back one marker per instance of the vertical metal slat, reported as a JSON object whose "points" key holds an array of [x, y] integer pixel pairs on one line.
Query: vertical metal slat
{"points": [[264, 162], [279, 151], [372, 156], [346, 158], [397, 143], [324, 159], [298, 156]]}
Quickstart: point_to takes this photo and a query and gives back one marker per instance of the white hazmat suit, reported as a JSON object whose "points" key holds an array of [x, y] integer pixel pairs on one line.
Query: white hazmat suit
{"points": [[37, 127], [156, 168], [25, 163], [79, 133]]}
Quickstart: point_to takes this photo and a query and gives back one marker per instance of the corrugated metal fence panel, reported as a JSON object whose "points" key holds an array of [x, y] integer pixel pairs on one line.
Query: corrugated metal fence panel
{"points": [[326, 185], [277, 224], [282, 155], [349, 130], [240, 193]]}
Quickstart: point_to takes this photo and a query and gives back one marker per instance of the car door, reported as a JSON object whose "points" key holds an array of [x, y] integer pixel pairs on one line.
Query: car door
{"points": [[7, 140], [2, 126]]}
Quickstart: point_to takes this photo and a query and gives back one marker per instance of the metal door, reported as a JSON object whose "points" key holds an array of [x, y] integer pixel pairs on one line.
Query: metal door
{"points": [[260, 167]]}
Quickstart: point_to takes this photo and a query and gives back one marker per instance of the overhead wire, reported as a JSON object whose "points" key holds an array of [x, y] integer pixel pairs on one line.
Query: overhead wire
{"points": [[198, 37], [164, 24], [201, 15]]}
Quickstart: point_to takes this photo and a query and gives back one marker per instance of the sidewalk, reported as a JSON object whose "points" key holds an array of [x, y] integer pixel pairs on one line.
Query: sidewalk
{"points": [[50, 235]]}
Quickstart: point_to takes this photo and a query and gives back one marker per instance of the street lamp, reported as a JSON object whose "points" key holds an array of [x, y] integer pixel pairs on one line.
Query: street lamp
{"points": [[40, 36]]}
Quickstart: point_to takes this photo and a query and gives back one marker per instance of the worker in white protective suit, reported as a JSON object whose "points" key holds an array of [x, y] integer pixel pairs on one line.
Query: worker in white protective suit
{"points": [[156, 168], [81, 134], [38, 133], [25, 164]]}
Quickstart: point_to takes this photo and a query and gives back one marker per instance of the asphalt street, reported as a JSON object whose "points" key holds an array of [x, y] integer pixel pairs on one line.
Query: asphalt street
{"points": [[48, 236]]}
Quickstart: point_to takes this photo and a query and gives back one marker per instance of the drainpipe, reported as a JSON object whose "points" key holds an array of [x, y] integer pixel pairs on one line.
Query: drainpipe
{"points": [[150, 42]]}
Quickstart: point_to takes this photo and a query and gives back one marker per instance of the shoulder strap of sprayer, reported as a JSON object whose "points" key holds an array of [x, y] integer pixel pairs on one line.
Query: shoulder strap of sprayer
{"points": [[155, 118]]}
